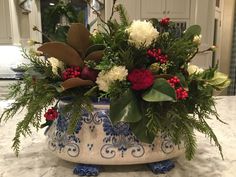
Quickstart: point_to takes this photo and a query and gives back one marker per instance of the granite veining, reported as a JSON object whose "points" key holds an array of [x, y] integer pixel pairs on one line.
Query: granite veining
{"points": [[36, 161]]}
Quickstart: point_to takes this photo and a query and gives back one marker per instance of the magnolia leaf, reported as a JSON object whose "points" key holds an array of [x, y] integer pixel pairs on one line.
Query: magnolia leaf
{"points": [[95, 56], [165, 76], [160, 91], [192, 31], [63, 52], [75, 82], [125, 108], [78, 38], [94, 48]]}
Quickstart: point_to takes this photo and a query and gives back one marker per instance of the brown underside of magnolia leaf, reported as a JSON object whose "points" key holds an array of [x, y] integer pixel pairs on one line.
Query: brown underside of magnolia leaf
{"points": [[75, 82], [62, 52], [96, 56], [78, 37], [165, 76]]}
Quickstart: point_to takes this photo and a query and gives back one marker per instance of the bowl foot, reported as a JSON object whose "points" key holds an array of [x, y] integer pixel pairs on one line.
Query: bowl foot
{"points": [[161, 167], [86, 170]]}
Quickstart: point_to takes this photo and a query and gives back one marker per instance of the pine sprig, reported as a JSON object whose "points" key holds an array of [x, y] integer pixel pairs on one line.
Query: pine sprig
{"points": [[35, 97], [76, 107], [124, 20]]}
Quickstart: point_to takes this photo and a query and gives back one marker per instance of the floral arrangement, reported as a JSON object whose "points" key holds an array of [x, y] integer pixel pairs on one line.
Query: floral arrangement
{"points": [[142, 67]]}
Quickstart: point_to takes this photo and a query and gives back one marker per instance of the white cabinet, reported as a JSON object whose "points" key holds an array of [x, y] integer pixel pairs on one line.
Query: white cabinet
{"points": [[175, 9], [9, 27], [5, 29], [153, 8], [178, 8]]}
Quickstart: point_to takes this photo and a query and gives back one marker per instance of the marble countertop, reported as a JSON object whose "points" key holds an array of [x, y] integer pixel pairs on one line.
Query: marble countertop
{"points": [[36, 161]]}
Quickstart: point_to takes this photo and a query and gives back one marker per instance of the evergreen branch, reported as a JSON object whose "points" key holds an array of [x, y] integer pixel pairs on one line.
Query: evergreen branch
{"points": [[76, 107], [209, 132], [123, 15], [189, 139]]}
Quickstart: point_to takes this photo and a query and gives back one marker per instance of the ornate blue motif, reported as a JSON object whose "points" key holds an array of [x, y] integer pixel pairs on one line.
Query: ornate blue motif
{"points": [[86, 170], [119, 138], [161, 167], [61, 140]]}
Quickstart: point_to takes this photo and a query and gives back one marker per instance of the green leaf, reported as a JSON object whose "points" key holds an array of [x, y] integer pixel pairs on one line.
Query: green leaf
{"points": [[141, 131], [92, 91], [192, 31], [160, 91], [35, 74], [182, 79], [125, 108]]}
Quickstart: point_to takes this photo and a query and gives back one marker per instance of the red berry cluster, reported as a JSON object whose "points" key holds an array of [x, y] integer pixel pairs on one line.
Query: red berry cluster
{"points": [[165, 21], [72, 72], [158, 55], [174, 81], [181, 93], [51, 114]]}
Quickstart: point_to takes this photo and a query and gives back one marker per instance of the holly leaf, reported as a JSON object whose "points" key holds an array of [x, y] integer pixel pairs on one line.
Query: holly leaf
{"points": [[182, 79], [192, 31], [125, 108], [160, 91]]}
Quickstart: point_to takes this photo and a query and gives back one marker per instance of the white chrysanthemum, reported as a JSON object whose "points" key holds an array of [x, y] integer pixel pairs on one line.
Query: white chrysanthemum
{"points": [[102, 81], [193, 69], [197, 39], [105, 79], [117, 73], [142, 33], [55, 63]]}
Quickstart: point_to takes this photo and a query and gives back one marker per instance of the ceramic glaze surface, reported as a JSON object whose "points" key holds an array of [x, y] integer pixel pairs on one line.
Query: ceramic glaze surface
{"points": [[97, 141]]}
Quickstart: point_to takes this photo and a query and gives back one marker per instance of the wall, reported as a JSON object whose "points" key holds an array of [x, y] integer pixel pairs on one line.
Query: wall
{"points": [[227, 34]]}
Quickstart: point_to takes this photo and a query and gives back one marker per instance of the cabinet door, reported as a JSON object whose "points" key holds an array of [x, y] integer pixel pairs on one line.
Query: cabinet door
{"points": [[153, 8], [178, 8], [204, 16], [132, 7], [5, 30]]}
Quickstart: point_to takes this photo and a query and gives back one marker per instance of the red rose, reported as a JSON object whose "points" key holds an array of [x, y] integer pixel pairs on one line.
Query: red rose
{"points": [[165, 21], [140, 79], [51, 114]]}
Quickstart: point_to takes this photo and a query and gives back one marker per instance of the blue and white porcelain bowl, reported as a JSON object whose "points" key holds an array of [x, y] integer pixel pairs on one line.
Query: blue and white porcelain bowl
{"points": [[97, 141]]}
